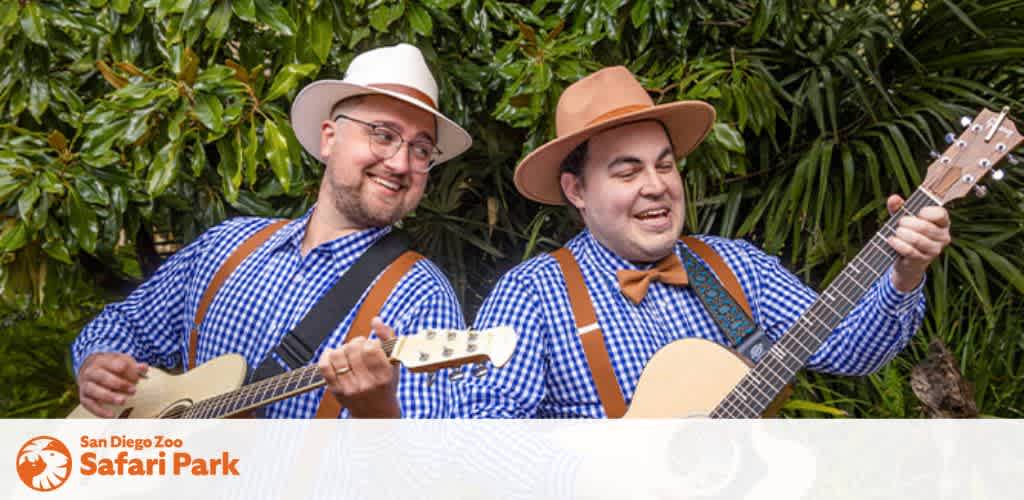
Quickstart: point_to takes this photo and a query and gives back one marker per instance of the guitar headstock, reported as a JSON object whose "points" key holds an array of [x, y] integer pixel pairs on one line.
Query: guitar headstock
{"points": [[434, 349], [988, 138]]}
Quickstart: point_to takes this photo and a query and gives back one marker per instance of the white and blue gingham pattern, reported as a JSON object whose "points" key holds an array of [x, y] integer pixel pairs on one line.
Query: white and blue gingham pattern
{"points": [[262, 300], [548, 376]]}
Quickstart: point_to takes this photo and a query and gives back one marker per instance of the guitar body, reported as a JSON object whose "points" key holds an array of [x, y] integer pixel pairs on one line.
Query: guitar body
{"points": [[686, 378], [160, 391]]}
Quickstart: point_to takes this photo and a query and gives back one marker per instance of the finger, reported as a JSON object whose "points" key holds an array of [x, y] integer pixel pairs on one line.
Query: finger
{"points": [[924, 228], [126, 367], [377, 364], [95, 408], [383, 331], [327, 369], [341, 359], [112, 382], [927, 247], [101, 394], [936, 215], [893, 203], [905, 249], [355, 353]]}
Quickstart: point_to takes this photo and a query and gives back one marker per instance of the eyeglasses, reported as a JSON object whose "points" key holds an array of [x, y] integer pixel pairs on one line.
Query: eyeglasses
{"points": [[385, 142]]}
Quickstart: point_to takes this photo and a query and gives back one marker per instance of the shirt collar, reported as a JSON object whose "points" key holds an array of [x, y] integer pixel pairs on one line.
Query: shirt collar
{"points": [[293, 233]]}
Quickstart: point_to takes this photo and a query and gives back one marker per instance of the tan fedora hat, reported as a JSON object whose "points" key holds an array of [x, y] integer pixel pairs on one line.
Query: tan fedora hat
{"points": [[398, 71], [608, 98]]}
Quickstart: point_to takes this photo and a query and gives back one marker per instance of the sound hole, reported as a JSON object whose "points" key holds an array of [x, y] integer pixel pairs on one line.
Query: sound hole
{"points": [[177, 409]]}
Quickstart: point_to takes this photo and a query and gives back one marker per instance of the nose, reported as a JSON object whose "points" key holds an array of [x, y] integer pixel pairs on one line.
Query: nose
{"points": [[399, 162], [654, 186]]}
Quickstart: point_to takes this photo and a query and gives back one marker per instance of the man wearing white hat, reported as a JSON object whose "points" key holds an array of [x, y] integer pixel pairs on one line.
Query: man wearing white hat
{"points": [[378, 132], [591, 315]]}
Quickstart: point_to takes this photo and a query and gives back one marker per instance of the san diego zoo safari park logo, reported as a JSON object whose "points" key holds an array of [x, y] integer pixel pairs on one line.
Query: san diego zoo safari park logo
{"points": [[44, 463]]}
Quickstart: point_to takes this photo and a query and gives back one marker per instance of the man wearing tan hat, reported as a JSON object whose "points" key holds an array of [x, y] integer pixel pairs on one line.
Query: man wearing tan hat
{"points": [[379, 132], [591, 315]]}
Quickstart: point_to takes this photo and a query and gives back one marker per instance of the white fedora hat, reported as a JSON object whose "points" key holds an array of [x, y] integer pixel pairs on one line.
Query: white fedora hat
{"points": [[400, 72]]}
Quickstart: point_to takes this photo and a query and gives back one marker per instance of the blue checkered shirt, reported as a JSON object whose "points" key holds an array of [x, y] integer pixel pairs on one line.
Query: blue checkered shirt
{"points": [[264, 298], [548, 375]]}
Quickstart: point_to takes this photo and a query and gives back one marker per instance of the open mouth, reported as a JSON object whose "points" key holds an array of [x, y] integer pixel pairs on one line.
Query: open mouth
{"points": [[387, 184], [653, 214]]}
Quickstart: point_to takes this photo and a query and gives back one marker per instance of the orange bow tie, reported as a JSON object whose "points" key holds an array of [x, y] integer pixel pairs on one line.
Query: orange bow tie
{"points": [[668, 270]]}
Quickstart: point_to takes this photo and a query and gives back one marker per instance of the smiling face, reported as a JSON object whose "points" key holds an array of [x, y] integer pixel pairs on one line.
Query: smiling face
{"points": [[629, 193], [361, 189]]}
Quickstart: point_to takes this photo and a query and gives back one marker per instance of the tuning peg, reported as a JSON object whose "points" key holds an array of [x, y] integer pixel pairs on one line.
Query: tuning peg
{"points": [[980, 191], [949, 138], [479, 370], [1013, 159], [965, 121], [998, 175]]}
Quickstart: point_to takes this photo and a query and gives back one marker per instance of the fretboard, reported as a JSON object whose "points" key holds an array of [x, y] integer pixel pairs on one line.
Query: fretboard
{"points": [[779, 365], [260, 393]]}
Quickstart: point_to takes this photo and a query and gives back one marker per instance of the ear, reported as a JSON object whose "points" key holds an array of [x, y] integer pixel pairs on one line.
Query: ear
{"points": [[572, 189], [328, 134]]}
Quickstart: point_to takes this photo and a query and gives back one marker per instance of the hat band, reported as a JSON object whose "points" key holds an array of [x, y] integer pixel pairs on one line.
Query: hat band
{"points": [[617, 112], [405, 90]]}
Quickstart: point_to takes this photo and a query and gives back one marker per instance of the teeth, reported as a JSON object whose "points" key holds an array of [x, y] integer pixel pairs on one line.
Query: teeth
{"points": [[390, 185], [652, 213]]}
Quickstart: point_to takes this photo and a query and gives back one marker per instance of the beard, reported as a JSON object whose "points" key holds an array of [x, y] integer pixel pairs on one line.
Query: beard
{"points": [[349, 202]]}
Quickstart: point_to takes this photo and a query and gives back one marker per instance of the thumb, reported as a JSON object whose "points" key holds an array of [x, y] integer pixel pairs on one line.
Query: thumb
{"points": [[894, 203], [384, 332]]}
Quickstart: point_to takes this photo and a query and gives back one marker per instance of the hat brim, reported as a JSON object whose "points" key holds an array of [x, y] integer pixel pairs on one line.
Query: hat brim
{"points": [[314, 103], [537, 176]]}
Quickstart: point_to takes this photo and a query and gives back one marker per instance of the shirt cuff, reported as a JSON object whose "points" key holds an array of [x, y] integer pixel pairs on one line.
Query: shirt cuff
{"points": [[895, 302]]}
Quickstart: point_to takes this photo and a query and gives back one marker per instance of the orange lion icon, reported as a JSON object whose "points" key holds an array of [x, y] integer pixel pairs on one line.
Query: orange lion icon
{"points": [[44, 463]]}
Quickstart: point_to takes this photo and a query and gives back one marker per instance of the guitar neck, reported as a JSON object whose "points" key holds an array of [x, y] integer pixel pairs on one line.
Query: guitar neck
{"points": [[779, 365], [262, 393]]}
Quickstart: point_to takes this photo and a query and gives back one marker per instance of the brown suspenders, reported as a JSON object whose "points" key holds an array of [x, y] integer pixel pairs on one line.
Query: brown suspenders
{"points": [[592, 338], [360, 327]]}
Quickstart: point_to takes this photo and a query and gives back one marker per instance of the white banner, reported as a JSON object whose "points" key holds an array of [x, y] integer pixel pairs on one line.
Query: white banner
{"points": [[463, 459]]}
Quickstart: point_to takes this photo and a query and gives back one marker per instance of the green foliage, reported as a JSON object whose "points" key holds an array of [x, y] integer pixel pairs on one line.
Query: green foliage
{"points": [[126, 122]]}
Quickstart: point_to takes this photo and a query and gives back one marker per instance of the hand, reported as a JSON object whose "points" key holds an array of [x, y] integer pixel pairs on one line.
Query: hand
{"points": [[108, 378], [361, 377], [918, 240]]}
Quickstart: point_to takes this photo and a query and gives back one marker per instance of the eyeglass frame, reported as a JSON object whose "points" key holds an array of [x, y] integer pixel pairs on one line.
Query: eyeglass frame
{"points": [[401, 140]]}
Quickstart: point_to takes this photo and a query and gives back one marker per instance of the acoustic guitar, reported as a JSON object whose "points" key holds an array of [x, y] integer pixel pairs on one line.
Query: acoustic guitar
{"points": [[696, 377], [214, 389]]}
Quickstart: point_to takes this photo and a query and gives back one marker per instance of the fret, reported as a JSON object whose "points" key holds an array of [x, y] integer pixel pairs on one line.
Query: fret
{"points": [[824, 303]]}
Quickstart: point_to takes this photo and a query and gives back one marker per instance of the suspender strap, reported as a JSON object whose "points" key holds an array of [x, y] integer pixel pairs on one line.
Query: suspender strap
{"points": [[330, 407], [721, 270], [299, 345], [591, 336], [229, 265]]}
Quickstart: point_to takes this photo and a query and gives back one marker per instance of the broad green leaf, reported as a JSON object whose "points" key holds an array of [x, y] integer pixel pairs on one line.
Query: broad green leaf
{"points": [[198, 158], [13, 235], [276, 17], [729, 138], [386, 13], [121, 6], [287, 79], [58, 250], [162, 170], [8, 14], [277, 153], [640, 12], [249, 149], [321, 34], [244, 9], [92, 190], [82, 223], [420, 20], [38, 98], [209, 111], [218, 22], [27, 200], [32, 23]]}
